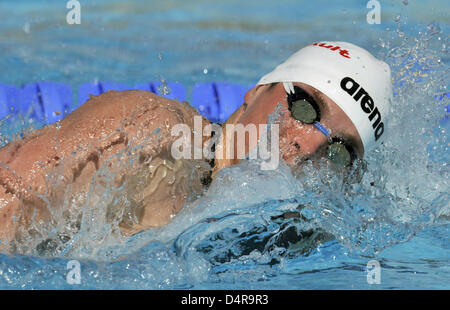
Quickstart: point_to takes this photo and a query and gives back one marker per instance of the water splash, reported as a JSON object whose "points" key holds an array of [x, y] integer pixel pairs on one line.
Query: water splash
{"points": [[164, 88]]}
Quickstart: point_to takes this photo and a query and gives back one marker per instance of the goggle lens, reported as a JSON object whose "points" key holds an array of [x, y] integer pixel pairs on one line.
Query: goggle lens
{"points": [[339, 154], [302, 110]]}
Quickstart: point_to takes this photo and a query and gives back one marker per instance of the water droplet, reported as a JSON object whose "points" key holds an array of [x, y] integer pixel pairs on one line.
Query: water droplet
{"points": [[164, 89], [26, 28], [205, 71], [434, 28]]}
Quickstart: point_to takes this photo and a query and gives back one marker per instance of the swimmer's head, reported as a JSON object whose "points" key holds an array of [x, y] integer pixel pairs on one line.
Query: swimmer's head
{"points": [[351, 94], [350, 76]]}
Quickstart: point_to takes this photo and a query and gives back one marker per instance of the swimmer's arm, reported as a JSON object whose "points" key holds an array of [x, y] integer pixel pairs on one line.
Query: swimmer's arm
{"points": [[103, 126]]}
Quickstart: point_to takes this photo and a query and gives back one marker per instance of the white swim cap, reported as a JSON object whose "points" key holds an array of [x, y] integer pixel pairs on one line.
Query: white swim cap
{"points": [[357, 82]]}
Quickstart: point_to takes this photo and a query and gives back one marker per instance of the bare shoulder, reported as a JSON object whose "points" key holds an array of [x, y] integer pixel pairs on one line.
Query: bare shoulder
{"points": [[134, 113], [132, 104]]}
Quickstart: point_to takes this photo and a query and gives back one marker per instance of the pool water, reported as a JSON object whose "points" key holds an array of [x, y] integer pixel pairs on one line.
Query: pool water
{"points": [[252, 229]]}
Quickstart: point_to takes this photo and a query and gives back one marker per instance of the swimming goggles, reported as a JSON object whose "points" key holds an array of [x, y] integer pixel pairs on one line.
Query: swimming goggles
{"points": [[305, 109]]}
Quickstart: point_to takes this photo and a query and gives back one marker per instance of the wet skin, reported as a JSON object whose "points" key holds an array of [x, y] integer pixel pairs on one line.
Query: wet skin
{"points": [[107, 124]]}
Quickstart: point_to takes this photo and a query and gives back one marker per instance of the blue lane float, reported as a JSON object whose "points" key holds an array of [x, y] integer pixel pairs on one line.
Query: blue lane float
{"points": [[56, 99], [45, 102], [217, 101], [9, 100]]}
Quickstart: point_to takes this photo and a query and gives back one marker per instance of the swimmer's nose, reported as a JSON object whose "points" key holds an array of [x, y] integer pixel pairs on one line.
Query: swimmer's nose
{"points": [[305, 140]]}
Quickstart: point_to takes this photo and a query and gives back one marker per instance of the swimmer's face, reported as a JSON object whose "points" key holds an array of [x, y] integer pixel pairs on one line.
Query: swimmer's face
{"points": [[299, 141]]}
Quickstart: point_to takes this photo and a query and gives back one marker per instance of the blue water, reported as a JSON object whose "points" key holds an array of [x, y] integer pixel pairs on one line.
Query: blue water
{"points": [[235, 237]]}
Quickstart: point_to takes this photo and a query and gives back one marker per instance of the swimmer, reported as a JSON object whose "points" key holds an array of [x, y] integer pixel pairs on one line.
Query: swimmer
{"points": [[336, 97]]}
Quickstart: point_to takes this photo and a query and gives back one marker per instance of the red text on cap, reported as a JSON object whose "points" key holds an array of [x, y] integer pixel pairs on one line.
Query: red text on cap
{"points": [[331, 47]]}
